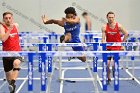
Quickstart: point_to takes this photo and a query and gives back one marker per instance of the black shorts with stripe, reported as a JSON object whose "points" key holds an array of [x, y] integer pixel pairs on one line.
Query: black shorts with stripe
{"points": [[8, 63]]}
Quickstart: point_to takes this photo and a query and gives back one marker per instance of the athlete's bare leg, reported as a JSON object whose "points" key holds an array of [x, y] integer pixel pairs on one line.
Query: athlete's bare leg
{"points": [[83, 59], [108, 71], [12, 75], [67, 37]]}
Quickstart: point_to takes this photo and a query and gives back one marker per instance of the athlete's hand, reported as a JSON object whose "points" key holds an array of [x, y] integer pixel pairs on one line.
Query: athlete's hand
{"points": [[44, 19], [122, 48]]}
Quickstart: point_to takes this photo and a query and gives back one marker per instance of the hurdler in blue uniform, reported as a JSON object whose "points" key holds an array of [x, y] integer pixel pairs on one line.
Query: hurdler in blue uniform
{"points": [[74, 30], [71, 24]]}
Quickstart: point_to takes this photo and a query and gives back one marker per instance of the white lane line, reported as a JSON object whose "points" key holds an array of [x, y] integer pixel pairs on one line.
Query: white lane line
{"points": [[3, 85], [21, 86], [98, 79], [132, 76]]}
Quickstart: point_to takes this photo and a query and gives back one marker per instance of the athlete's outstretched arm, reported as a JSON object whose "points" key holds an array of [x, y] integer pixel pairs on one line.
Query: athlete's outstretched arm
{"points": [[73, 21], [123, 30], [103, 34], [52, 21]]}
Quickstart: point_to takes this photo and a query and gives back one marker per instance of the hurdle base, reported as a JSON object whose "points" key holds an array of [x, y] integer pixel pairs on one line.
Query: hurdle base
{"points": [[133, 79], [87, 68], [77, 79], [70, 81], [126, 68]]}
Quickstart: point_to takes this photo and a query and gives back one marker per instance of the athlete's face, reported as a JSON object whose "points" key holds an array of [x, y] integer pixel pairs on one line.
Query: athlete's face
{"points": [[111, 18], [8, 19], [85, 16], [70, 16]]}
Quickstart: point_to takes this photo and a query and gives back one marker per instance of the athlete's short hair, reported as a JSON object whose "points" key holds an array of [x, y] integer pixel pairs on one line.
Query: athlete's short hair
{"points": [[5, 13], [84, 13], [70, 10], [110, 12]]}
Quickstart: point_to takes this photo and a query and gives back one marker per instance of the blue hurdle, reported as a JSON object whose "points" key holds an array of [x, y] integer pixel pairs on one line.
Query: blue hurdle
{"points": [[116, 57], [43, 72], [104, 74], [49, 54], [48, 47]]}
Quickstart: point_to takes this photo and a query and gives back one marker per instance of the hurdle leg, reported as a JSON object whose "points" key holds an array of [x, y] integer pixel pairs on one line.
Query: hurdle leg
{"points": [[133, 67], [62, 82], [104, 72], [133, 64], [95, 73], [61, 73], [121, 63], [60, 64], [127, 48], [139, 46], [60, 67], [43, 47], [43, 71], [30, 72], [40, 64], [49, 58], [116, 78]]}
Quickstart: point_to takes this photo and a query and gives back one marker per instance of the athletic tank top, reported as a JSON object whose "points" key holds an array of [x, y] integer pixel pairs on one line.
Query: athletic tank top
{"points": [[74, 29], [113, 35], [12, 43]]}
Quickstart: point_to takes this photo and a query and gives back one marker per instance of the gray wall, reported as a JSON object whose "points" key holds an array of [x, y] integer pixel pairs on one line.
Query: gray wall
{"points": [[28, 12]]}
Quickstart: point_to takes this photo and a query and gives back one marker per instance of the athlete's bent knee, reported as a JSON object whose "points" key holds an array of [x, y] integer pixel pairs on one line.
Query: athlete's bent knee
{"points": [[83, 59], [16, 63]]}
